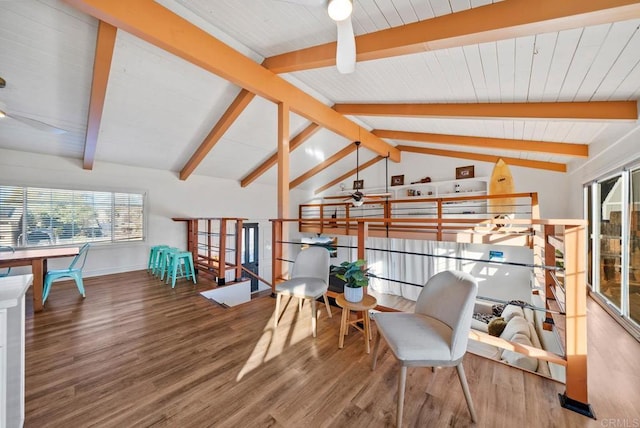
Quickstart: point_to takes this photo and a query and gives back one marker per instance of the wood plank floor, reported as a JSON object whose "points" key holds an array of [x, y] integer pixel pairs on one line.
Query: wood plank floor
{"points": [[137, 353]]}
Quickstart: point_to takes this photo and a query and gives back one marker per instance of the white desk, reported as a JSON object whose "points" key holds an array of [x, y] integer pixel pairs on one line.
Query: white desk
{"points": [[12, 290]]}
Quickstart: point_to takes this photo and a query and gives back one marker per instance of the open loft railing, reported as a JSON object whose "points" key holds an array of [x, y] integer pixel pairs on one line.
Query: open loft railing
{"points": [[459, 219], [215, 244], [561, 284]]}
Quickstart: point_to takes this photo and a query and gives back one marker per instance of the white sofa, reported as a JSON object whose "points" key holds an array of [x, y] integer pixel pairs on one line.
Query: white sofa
{"points": [[520, 328]]}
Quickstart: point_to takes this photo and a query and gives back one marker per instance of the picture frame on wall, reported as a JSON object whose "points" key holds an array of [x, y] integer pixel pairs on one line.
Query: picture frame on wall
{"points": [[358, 184], [464, 172], [397, 180]]}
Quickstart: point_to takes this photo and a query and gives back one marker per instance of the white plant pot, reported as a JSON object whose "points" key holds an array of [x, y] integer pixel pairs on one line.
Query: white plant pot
{"points": [[353, 294]]}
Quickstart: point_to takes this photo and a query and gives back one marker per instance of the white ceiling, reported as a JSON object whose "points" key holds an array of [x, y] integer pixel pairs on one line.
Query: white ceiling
{"points": [[159, 108]]}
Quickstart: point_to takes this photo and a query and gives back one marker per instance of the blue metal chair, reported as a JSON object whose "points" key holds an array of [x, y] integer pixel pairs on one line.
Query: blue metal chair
{"points": [[73, 271], [8, 250]]}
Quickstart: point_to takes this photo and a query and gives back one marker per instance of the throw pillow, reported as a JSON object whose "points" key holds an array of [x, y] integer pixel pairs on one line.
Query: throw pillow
{"points": [[511, 311], [485, 318], [496, 326], [497, 309]]}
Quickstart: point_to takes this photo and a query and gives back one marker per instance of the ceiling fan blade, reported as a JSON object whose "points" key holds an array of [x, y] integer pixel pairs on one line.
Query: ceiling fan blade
{"points": [[346, 47], [41, 126]]}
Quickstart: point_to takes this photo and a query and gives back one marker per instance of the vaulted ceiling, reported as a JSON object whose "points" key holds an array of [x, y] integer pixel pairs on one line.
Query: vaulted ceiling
{"points": [[152, 84]]}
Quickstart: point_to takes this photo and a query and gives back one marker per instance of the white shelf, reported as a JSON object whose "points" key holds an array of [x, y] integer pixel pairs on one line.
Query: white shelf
{"points": [[476, 186]]}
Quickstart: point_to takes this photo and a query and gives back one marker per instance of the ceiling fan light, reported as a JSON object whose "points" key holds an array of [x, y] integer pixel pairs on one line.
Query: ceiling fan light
{"points": [[357, 203], [2, 114], [339, 10]]}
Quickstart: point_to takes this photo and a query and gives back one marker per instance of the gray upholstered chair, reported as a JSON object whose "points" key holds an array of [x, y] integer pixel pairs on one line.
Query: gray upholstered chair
{"points": [[309, 280], [436, 334]]}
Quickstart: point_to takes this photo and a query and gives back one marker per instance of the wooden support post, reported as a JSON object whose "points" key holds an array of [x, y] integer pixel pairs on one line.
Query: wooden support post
{"points": [[549, 260], [576, 396], [209, 246], [363, 232], [276, 254], [439, 232], [192, 241], [239, 249], [222, 262], [535, 214]]}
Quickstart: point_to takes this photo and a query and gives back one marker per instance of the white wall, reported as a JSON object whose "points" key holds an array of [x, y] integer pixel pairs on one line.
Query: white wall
{"points": [[167, 197]]}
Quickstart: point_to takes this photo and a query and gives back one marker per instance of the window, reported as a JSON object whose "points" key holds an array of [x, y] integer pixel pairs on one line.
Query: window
{"points": [[34, 216]]}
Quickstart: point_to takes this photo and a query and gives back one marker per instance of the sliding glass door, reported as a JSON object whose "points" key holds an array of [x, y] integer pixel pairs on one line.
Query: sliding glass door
{"points": [[610, 191], [634, 246], [612, 209]]}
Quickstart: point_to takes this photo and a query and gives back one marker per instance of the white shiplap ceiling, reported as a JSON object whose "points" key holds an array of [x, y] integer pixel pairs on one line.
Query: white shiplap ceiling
{"points": [[159, 108]]}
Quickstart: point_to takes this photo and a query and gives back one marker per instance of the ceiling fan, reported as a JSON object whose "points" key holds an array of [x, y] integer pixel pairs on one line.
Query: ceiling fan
{"points": [[340, 12], [358, 198]]}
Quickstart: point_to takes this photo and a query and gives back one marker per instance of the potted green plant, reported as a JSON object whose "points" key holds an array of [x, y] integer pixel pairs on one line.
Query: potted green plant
{"points": [[355, 277]]}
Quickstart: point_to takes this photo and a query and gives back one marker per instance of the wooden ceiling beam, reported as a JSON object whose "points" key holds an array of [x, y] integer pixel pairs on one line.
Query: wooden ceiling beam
{"points": [[105, 42], [327, 163], [155, 24], [565, 149], [349, 174], [490, 23], [234, 110], [548, 166], [295, 142], [594, 110]]}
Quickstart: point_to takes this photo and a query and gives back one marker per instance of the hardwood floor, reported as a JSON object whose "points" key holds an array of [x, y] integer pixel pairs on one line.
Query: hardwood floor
{"points": [[137, 353]]}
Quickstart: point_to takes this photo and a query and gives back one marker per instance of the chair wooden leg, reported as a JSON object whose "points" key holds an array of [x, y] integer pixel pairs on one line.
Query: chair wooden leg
{"points": [[326, 303], [343, 323], [300, 304], [314, 315], [276, 315], [465, 389], [402, 379], [367, 331], [374, 357]]}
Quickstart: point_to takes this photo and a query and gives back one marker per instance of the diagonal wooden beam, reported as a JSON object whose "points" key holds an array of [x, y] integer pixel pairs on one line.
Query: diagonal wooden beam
{"points": [[490, 23], [327, 163], [349, 174], [595, 110], [566, 149], [155, 24], [105, 43], [549, 166], [295, 142], [234, 110]]}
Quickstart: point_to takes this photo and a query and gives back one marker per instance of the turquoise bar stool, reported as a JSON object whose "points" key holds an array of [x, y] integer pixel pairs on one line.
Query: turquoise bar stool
{"points": [[154, 259], [164, 261], [181, 266], [73, 271]]}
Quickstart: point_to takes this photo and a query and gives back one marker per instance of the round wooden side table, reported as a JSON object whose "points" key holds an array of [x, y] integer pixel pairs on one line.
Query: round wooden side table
{"points": [[363, 306]]}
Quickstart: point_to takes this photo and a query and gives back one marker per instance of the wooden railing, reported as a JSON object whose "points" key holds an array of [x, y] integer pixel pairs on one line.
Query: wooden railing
{"points": [[541, 235], [442, 219], [207, 241]]}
